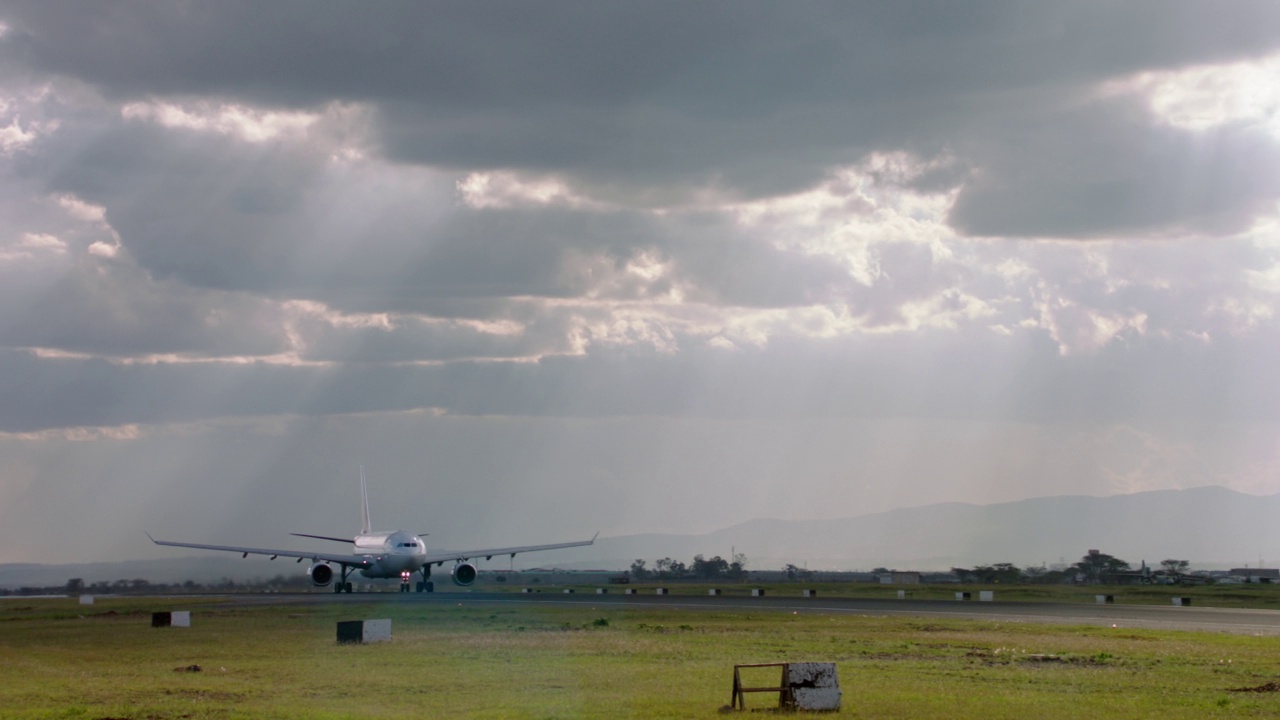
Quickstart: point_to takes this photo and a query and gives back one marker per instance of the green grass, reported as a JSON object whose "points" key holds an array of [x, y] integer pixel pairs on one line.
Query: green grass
{"points": [[60, 660]]}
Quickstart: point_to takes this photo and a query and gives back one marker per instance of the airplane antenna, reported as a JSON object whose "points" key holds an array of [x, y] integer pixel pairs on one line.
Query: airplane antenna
{"points": [[364, 504]]}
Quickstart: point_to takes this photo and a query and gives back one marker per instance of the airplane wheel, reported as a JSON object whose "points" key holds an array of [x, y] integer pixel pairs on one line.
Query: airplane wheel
{"points": [[337, 587], [430, 586], [349, 590], [418, 587]]}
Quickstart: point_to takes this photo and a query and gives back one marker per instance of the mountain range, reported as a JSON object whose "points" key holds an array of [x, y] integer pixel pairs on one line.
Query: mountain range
{"points": [[1212, 527]]}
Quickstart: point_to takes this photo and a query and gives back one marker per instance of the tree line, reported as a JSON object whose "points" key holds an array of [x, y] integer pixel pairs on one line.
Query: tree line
{"points": [[1094, 567], [702, 568]]}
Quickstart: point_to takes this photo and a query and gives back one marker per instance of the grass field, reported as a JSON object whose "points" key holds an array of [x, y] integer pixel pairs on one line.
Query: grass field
{"points": [[61, 660]]}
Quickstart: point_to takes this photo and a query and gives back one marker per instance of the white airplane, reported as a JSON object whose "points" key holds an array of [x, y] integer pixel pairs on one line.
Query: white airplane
{"points": [[399, 553]]}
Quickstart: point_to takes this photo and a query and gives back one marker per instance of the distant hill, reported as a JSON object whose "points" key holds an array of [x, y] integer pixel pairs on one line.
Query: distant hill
{"points": [[1210, 526]]}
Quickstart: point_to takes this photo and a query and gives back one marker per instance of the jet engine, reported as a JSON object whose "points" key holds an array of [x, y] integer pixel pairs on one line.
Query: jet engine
{"points": [[321, 574], [463, 574]]}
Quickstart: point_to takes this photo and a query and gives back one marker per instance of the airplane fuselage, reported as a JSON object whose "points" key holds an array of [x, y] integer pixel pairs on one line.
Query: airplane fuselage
{"points": [[392, 553]]}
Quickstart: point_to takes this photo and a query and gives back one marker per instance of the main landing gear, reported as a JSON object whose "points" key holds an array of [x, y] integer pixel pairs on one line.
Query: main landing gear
{"points": [[342, 586], [424, 585]]}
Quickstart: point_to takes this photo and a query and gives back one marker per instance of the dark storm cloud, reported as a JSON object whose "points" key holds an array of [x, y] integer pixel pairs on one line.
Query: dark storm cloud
{"points": [[649, 102], [273, 219], [1110, 169], [79, 306]]}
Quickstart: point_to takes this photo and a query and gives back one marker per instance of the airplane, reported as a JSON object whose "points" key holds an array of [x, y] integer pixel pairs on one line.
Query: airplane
{"points": [[398, 553]]}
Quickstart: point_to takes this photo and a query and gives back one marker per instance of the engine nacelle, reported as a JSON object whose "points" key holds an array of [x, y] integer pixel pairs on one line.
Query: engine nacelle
{"points": [[463, 574], [321, 574]]}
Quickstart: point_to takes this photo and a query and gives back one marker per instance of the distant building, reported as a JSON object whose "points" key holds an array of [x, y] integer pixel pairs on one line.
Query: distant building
{"points": [[1256, 575]]}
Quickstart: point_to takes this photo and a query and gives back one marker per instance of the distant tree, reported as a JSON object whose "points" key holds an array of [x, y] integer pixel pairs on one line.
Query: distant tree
{"points": [[639, 572], [662, 567], [1032, 573], [75, 586], [1096, 565], [1176, 568], [796, 573], [1004, 573], [738, 568], [709, 569]]}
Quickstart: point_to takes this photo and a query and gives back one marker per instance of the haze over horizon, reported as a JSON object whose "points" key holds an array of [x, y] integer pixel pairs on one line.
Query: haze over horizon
{"points": [[547, 269]]}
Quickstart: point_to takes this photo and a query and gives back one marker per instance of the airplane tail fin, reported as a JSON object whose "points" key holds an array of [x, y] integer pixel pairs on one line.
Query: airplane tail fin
{"points": [[366, 528]]}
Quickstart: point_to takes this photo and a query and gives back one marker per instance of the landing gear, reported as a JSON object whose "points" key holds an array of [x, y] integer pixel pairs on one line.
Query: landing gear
{"points": [[426, 585], [342, 586]]}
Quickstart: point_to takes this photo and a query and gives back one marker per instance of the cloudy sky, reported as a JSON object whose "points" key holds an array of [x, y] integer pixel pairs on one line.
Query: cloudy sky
{"points": [[552, 268]]}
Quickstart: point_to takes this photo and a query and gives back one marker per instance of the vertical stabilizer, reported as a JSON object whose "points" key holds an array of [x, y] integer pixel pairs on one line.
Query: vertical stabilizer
{"points": [[366, 528]]}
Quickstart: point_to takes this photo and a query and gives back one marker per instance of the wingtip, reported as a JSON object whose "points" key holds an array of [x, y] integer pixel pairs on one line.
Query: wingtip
{"points": [[593, 537], [144, 532]]}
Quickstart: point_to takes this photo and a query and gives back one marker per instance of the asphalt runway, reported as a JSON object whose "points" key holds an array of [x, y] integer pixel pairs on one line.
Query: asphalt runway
{"points": [[1210, 619]]}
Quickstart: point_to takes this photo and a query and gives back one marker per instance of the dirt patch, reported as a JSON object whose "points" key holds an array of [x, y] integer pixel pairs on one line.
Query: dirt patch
{"points": [[1270, 687]]}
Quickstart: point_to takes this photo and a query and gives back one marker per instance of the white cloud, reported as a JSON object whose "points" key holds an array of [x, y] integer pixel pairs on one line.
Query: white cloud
{"points": [[1205, 96], [253, 125], [509, 189], [859, 207], [43, 241], [14, 138], [82, 210]]}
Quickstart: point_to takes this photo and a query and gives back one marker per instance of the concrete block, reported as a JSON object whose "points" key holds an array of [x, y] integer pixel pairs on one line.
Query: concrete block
{"points": [[986, 595], [161, 619], [660, 591], [568, 591], [364, 631], [1104, 599], [629, 591], [602, 591], [1182, 601], [526, 590], [86, 599], [757, 592], [713, 591], [813, 685], [962, 596], [809, 593], [180, 618], [902, 594], [377, 630]]}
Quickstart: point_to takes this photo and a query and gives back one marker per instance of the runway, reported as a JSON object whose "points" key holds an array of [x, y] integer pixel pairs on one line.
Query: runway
{"points": [[1209, 619]]}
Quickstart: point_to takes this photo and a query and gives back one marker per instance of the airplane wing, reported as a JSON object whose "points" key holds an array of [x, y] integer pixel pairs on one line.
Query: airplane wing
{"points": [[350, 560], [488, 553]]}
